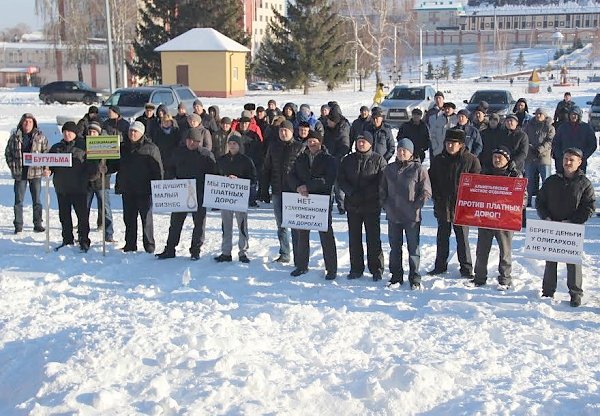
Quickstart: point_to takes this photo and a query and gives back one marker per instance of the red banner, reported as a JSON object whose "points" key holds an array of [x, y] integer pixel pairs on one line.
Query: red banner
{"points": [[488, 201]]}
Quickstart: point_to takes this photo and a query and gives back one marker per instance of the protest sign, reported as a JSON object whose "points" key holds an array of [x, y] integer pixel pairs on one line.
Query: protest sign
{"points": [[103, 147], [174, 195], [62, 160], [230, 194], [305, 213], [554, 241], [488, 201]]}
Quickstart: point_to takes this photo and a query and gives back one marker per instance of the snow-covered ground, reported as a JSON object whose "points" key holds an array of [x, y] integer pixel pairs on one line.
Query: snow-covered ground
{"points": [[128, 334]]}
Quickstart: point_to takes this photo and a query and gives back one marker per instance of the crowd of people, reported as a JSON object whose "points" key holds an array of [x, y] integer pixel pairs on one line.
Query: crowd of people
{"points": [[295, 150]]}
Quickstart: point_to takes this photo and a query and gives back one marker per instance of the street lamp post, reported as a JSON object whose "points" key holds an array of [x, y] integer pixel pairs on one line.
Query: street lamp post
{"points": [[111, 63]]}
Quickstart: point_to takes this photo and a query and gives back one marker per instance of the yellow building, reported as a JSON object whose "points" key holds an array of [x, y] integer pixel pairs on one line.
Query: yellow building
{"points": [[207, 61]]}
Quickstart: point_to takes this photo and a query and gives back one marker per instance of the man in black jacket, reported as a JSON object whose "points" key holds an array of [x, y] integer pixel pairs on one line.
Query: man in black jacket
{"points": [[383, 139], [115, 124], [140, 164], [359, 125], [444, 174], [71, 185], [417, 132], [279, 159], [359, 177], [190, 162], [337, 141], [566, 197], [314, 172], [208, 121]]}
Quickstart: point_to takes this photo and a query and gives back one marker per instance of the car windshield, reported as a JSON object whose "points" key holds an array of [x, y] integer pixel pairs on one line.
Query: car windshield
{"points": [[128, 99], [83, 86], [492, 97], [596, 101], [407, 94]]}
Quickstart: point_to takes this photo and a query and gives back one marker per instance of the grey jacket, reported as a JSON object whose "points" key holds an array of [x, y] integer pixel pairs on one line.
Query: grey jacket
{"points": [[540, 136], [438, 124], [403, 190]]}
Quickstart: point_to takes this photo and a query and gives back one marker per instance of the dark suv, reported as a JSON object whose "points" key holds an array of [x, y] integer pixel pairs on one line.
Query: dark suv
{"points": [[594, 116], [501, 101], [70, 92], [131, 101]]}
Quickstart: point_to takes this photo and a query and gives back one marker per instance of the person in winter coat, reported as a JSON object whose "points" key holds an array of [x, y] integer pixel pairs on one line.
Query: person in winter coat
{"points": [[359, 125], [207, 120], [167, 137], [563, 107], [262, 121], [444, 174], [417, 132], [140, 163], [479, 120], [115, 125], [90, 116], [567, 196], [181, 117], [313, 172], [359, 177], [190, 162], [437, 109], [337, 142], [148, 116], [574, 133], [279, 159], [289, 112], [383, 139], [516, 141], [324, 114], [234, 164], [501, 167], [213, 110], [472, 136], [154, 124], [272, 110], [404, 189], [95, 189], [438, 124], [492, 137], [252, 146], [306, 115], [221, 137], [195, 122], [71, 186], [379, 95], [27, 138], [253, 126], [538, 163], [522, 112]]}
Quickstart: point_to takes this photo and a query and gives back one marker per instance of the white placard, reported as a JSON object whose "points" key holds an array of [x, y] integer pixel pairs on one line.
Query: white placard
{"points": [[174, 195], [63, 160], [554, 241], [305, 213], [226, 193]]}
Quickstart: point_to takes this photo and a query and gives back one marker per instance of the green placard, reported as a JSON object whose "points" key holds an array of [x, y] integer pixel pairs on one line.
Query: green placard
{"points": [[103, 147]]}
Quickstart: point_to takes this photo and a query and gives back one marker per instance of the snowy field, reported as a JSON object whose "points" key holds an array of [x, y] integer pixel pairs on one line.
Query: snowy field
{"points": [[127, 334]]}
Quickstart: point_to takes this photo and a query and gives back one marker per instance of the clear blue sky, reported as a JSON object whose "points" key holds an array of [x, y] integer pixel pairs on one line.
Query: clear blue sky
{"points": [[14, 12]]}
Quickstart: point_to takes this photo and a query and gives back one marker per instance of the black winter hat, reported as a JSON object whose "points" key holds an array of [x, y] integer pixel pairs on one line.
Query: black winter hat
{"points": [[93, 109], [304, 124], [450, 105], [463, 112], [574, 151], [287, 125], [70, 126], [504, 151], [439, 94], [417, 111], [335, 117], [95, 126], [115, 109], [366, 135], [250, 106], [195, 135], [455, 135], [313, 134], [235, 138], [364, 108]]}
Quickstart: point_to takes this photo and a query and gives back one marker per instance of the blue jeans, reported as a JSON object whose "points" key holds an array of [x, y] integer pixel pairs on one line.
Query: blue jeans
{"points": [[35, 188], [533, 171], [108, 220], [412, 231], [282, 233]]}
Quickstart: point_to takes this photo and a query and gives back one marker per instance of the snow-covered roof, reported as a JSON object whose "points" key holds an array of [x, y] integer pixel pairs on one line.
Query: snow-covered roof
{"points": [[202, 40], [438, 5], [547, 9]]}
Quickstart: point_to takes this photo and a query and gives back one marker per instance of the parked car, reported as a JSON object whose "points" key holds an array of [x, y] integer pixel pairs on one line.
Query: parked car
{"points": [[399, 103], [501, 102], [260, 86], [484, 78], [70, 92], [131, 101], [594, 116]]}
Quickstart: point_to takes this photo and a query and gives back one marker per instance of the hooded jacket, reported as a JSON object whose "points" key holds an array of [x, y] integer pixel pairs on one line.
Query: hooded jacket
{"points": [[523, 117], [13, 153], [540, 135]]}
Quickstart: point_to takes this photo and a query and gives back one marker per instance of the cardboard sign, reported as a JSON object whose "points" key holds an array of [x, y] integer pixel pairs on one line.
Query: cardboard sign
{"points": [[305, 213], [103, 147], [488, 201], [554, 241], [175, 195], [63, 160], [226, 193]]}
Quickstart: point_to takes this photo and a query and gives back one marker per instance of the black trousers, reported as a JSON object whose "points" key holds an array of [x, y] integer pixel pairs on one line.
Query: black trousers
{"points": [[300, 243], [574, 279], [79, 203], [134, 205], [372, 224], [177, 220], [462, 246]]}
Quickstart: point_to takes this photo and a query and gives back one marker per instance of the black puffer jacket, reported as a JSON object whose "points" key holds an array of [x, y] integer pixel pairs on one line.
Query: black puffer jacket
{"points": [[140, 163], [167, 141], [73, 180], [518, 144], [564, 199], [358, 126], [318, 177], [491, 139], [193, 164], [117, 126], [444, 175], [337, 139], [253, 147], [359, 177], [238, 165], [278, 162], [418, 134]]}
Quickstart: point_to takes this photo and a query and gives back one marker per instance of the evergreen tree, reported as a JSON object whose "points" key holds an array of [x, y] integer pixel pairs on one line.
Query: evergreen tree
{"points": [[520, 62], [444, 69], [307, 43], [429, 73], [458, 66]]}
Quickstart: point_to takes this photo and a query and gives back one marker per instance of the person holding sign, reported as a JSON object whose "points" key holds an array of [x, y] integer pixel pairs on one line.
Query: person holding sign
{"points": [[444, 174], [404, 188], [566, 197], [190, 162], [71, 186], [234, 165], [501, 167], [314, 172], [26, 139]]}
